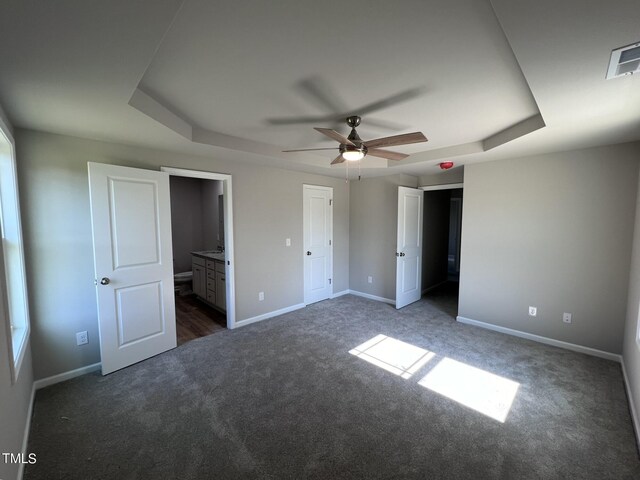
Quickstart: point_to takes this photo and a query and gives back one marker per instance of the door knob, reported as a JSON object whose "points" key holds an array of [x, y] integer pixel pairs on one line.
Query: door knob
{"points": [[104, 281], [402, 254], [308, 253]]}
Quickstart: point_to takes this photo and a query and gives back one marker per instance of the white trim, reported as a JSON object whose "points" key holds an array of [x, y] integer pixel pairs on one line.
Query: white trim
{"points": [[267, 315], [228, 231], [444, 186], [61, 377], [16, 345], [372, 297], [546, 340], [27, 428], [329, 190], [632, 406], [340, 294]]}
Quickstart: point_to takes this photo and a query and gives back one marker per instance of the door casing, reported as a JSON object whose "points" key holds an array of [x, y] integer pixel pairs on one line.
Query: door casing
{"points": [[327, 250], [228, 232]]}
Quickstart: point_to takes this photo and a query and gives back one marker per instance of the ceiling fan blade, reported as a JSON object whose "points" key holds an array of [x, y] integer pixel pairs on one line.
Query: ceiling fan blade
{"points": [[400, 97], [319, 91], [376, 152], [309, 149], [404, 139], [338, 159], [335, 135]]}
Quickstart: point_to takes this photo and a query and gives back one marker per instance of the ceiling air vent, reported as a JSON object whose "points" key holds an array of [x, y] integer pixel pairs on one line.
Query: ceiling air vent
{"points": [[624, 61]]}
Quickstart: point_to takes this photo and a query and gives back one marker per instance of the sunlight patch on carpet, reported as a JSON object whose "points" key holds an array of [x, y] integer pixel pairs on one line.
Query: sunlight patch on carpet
{"points": [[485, 392], [395, 356]]}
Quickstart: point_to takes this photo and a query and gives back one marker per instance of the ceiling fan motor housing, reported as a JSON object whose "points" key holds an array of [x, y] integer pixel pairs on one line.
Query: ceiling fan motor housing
{"points": [[353, 148]]}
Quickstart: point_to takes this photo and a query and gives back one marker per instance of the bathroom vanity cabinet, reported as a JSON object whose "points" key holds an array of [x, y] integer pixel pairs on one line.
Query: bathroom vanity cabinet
{"points": [[209, 278]]}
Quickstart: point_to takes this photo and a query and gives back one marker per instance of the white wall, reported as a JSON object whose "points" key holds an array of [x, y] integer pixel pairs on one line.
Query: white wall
{"points": [[14, 397], [373, 233], [267, 205], [552, 231], [631, 347]]}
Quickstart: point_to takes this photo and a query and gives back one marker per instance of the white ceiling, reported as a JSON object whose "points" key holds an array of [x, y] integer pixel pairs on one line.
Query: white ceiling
{"points": [[220, 78]]}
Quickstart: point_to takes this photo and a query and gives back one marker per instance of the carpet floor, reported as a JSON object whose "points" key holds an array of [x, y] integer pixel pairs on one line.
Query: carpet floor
{"points": [[419, 396]]}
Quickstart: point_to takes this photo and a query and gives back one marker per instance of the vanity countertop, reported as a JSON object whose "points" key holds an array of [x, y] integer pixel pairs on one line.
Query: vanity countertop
{"points": [[210, 254]]}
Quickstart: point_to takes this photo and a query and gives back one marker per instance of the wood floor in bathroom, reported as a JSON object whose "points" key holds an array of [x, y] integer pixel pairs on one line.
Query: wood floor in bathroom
{"points": [[195, 319]]}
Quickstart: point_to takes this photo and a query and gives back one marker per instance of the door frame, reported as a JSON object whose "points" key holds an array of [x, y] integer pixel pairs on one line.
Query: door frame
{"points": [[228, 231], [304, 222], [450, 186]]}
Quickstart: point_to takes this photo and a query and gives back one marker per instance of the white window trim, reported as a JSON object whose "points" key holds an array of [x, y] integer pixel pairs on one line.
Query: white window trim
{"points": [[17, 337]]}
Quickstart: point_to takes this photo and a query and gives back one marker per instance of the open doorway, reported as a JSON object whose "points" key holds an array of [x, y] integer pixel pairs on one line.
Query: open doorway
{"points": [[442, 227], [201, 257]]}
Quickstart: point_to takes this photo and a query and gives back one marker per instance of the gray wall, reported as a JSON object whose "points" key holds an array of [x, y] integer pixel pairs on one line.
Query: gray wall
{"points": [[631, 347], [14, 403], [555, 232], [435, 237], [455, 175], [267, 205], [14, 398], [187, 225], [210, 191], [373, 233]]}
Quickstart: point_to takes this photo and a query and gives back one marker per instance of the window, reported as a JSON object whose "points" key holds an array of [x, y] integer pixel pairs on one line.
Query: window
{"points": [[13, 288]]}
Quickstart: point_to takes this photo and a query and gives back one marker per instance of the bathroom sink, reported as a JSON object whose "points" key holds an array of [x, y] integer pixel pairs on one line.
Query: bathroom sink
{"points": [[214, 254]]}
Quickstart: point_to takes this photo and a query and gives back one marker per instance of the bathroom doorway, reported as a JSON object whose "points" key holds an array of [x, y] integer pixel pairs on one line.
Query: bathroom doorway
{"points": [[202, 252], [442, 229]]}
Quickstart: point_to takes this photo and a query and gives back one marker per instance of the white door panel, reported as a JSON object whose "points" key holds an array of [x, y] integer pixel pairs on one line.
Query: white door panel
{"points": [[409, 249], [130, 216], [317, 239], [139, 312]]}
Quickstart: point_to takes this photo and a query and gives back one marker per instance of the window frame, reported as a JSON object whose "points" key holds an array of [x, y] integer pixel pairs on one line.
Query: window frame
{"points": [[14, 298]]}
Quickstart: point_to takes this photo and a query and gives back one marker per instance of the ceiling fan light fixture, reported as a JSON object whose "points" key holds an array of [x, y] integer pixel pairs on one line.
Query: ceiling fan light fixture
{"points": [[352, 155]]}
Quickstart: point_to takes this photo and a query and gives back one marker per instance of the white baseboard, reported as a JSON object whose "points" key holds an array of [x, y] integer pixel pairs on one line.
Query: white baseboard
{"points": [[632, 404], [537, 338], [264, 316], [61, 377], [372, 297], [340, 294]]}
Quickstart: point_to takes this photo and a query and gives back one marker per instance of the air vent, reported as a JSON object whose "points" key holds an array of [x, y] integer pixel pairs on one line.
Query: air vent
{"points": [[624, 61]]}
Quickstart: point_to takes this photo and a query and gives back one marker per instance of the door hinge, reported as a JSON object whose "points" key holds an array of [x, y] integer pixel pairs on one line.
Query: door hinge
{"points": [[330, 202], [329, 242], [329, 281]]}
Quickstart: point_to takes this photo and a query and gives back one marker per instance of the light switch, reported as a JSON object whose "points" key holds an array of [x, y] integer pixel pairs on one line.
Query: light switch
{"points": [[287, 242]]}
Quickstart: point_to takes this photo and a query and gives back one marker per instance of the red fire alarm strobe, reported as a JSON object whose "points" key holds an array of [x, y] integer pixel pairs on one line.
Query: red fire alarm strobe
{"points": [[446, 165]]}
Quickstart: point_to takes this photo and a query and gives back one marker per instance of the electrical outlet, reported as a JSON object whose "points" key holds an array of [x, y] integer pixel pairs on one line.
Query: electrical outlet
{"points": [[287, 242], [82, 338], [533, 311], [369, 279], [566, 317], [261, 296]]}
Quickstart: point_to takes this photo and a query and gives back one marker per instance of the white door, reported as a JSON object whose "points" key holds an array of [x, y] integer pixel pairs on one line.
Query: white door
{"points": [[409, 249], [317, 239], [131, 221]]}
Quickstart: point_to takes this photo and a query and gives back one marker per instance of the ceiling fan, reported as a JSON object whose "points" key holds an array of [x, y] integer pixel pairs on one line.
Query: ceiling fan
{"points": [[353, 148]]}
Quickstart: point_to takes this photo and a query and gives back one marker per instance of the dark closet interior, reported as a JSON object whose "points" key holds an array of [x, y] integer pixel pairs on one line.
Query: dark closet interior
{"points": [[442, 228]]}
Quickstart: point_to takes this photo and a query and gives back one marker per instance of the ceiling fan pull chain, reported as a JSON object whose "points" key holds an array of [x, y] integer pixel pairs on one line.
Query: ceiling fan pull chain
{"points": [[346, 179]]}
